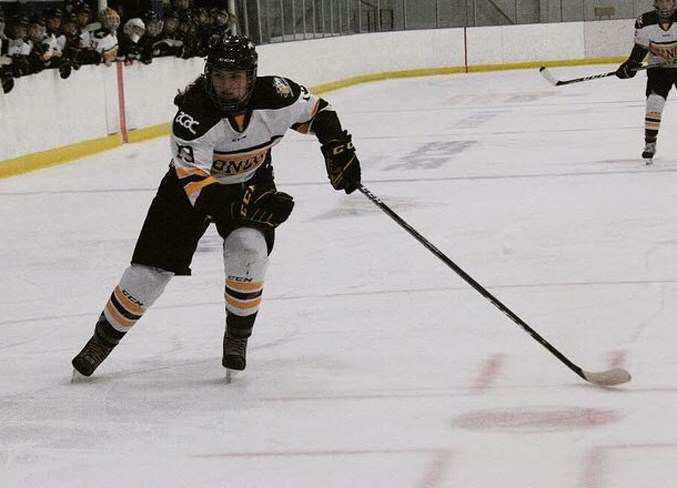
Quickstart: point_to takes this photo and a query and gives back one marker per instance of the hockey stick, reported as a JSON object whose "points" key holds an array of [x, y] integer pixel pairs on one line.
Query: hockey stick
{"points": [[611, 377], [550, 78]]}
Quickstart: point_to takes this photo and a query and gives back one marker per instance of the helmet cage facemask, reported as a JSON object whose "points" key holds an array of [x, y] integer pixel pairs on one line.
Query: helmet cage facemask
{"points": [[234, 105], [664, 13]]}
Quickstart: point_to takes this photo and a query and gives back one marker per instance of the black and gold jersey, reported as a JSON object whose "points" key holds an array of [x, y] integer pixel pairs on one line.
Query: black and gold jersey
{"points": [[658, 36], [214, 147]]}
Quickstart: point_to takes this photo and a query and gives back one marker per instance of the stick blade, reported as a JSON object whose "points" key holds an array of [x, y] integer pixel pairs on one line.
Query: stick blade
{"points": [[548, 76], [611, 377]]}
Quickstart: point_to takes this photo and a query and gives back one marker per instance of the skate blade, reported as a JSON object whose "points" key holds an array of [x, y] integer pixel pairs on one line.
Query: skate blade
{"points": [[648, 161], [231, 375], [78, 377]]}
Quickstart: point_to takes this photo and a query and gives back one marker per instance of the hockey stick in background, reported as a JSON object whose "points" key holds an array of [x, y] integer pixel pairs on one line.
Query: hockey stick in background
{"points": [[611, 377], [550, 78]]}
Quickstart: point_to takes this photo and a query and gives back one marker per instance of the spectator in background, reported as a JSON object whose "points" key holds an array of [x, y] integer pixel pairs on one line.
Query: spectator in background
{"points": [[170, 44], [19, 47], [187, 33], [147, 43], [224, 24], [181, 6], [53, 19], [53, 41], [130, 49], [39, 58], [76, 52], [85, 26], [204, 27], [71, 48], [106, 38]]}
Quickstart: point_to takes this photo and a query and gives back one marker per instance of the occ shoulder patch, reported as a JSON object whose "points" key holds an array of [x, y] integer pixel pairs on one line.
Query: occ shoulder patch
{"points": [[193, 121], [282, 87], [186, 124]]}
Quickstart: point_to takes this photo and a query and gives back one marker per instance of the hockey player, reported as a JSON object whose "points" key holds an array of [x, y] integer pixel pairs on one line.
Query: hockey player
{"points": [[656, 35], [106, 38], [130, 50], [227, 122]]}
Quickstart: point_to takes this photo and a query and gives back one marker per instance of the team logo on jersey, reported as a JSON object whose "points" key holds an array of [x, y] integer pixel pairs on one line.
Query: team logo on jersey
{"points": [[666, 51], [282, 87], [187, 122], [238, 163]]}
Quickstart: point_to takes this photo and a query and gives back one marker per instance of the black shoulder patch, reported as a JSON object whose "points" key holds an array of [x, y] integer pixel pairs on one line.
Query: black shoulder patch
{"points": [[195, 117], [646, 19], [274, 92]]}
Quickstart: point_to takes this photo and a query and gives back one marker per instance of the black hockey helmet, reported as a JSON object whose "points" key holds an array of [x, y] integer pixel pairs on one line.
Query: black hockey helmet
{"points": [[22, 20], [231, 53], [664, 8], [54, 13], [150, 15]]}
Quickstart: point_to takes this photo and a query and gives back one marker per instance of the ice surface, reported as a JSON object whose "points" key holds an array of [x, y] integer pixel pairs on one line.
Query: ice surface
{"points": [[372, 364]]}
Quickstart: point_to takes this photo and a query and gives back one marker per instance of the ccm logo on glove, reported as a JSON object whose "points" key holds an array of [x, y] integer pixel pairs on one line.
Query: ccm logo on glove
{"points": [[263, 206], [343, 167]]}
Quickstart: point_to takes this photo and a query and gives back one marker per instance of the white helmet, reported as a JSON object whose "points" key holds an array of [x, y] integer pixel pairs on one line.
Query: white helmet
{"points": [[664, 8], [134, 29]]}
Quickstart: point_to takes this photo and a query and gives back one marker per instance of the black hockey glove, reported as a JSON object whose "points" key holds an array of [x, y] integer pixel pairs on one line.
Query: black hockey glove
{"points": [[262, 206], [343, 167], [628, 69]]}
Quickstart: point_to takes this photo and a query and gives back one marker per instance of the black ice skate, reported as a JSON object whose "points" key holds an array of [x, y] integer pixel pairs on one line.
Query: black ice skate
{"points": [[234, 354], [649, 151], [91, 356]]}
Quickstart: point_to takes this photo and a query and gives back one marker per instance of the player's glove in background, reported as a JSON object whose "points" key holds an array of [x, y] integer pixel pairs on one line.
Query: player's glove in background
{"points": [[628, 69], [343, 167], [263, 206]]}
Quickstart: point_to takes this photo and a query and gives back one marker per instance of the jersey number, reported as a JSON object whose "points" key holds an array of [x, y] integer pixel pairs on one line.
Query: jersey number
{"points": [[185, 153]]}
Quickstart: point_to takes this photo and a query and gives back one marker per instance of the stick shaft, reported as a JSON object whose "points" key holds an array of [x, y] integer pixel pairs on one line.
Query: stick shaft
{"points": [[468, 279], [551, 79]]}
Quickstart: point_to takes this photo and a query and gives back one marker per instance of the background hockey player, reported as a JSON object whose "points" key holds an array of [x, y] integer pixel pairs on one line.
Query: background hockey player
{"points": [[105, 39], [656, 35], [227, 122]]}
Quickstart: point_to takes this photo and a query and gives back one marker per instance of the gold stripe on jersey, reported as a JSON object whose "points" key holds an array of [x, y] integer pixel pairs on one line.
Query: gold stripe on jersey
{"points": [[667, 50], [304, 128], [193, 181], [183, 172], [239, 120], [193, 189]]}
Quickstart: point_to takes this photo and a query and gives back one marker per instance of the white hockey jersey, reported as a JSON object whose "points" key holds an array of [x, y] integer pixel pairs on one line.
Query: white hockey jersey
{"points": [[106, 43], [657, 36], [19, 46], [212, 147]]}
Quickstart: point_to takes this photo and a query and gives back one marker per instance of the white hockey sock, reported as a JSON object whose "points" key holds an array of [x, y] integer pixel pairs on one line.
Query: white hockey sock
{"points": [[654, 114], [140, 286], [245, 259]]}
